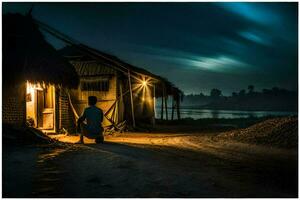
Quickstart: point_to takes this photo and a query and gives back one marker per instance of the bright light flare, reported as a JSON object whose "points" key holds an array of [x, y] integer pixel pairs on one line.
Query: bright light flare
{"points": [[144, 83], [143, 87]]}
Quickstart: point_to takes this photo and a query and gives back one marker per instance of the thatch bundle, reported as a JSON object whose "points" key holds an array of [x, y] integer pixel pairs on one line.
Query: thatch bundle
{"points": [[27, 55]]}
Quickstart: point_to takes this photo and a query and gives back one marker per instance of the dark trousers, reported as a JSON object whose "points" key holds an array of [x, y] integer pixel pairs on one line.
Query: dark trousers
{"points": [[83, 129]]}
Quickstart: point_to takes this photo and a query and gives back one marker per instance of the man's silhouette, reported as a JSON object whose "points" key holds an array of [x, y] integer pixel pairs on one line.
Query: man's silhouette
{"points": [[93, 116]]}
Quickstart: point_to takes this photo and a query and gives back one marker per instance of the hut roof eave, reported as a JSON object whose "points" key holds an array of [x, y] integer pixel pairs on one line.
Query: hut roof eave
{"points": [[28, 56], [81, 56]]}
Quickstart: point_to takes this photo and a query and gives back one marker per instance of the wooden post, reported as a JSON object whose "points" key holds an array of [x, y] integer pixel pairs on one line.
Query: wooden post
{"points": [[131, 100], [154, 109], [178, 109], [166, 104], [173, 106], [162, 104], [23, 90]]}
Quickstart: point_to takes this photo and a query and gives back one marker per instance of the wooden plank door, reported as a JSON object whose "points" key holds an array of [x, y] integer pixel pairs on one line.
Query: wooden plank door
{"points": [[40, 108]]}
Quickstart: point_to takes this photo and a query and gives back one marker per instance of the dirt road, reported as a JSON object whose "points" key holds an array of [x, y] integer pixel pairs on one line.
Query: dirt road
{"points": [[151, 165]]}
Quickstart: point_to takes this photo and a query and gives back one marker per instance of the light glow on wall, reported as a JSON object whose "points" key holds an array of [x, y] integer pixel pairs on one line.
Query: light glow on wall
{"points": [[143, 89]]}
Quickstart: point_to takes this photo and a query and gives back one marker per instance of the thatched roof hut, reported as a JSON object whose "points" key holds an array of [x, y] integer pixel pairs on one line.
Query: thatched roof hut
{"points": [[79, 55], [28, 56], [75, 53]]}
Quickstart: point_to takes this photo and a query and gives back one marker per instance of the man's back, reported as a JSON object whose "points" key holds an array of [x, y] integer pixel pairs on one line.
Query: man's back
{"points": [[94, 117]]}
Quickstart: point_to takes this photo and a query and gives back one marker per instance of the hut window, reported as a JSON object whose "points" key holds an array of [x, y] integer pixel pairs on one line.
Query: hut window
{"points": [[97, 85]]}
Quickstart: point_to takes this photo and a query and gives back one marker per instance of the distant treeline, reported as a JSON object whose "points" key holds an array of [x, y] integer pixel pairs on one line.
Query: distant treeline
{"points": [[276, 99]]}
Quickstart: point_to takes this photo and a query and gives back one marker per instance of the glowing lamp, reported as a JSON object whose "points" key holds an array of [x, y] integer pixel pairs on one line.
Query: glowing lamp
{"points": [[144, 83]]}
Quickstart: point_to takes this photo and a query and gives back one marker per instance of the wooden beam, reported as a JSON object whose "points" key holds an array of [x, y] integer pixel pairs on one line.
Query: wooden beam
{"points": [[166, 103], [178, 108], [173, 107], [131, 100], [162, 105], [23, 90], [91, 52], [154, 102]]}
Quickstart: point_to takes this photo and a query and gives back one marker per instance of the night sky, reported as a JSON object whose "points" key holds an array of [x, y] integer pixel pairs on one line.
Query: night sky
{"points": [[197, 46]]}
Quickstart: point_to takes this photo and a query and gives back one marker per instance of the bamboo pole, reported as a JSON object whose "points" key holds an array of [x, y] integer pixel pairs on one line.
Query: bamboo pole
{"points": [[121, 105], [83, 48], [131, 100], [24, 120], [173, 106], [154, 109], [162, 105], [166, 104], [178, 109]]}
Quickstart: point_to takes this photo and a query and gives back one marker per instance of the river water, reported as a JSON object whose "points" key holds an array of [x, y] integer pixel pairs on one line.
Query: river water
{"points": [[229, 114]]}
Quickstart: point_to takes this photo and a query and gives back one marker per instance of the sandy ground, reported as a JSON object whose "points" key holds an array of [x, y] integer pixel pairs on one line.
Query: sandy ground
{"points": [[150, 165]]}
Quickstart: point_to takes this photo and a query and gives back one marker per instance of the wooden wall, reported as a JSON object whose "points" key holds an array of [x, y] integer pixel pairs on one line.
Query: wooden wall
{"points": [[105, 98], [66, 118]]}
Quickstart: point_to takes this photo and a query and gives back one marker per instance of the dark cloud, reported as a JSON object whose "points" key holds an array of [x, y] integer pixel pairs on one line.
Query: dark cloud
{"points": [[198, 46]]}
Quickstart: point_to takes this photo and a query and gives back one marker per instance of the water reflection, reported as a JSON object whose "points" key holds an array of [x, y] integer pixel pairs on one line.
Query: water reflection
{"points": [[230, 114], [215, 113]]}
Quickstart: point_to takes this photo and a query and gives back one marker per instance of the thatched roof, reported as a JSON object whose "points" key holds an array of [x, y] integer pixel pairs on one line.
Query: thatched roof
{"points": [[92, 68], [27, 55], [76, 55]]}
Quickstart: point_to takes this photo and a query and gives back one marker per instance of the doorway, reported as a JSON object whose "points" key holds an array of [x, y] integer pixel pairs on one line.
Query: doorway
{"points": [[40, 106]]}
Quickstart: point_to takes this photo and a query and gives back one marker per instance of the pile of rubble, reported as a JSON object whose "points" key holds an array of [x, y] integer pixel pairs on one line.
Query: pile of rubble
{"points": [[278, 132]]}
